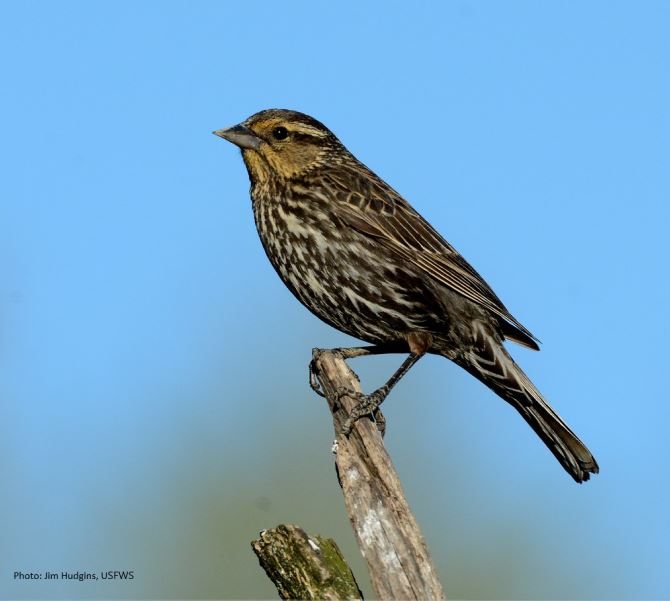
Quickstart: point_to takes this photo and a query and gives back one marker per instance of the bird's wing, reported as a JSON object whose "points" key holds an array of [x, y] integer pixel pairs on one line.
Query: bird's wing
{"points": [[377, 210]]}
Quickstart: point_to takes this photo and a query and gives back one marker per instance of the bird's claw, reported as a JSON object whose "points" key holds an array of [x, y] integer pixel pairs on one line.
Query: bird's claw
{"points": [[368, 404], [313, 378], [380, 420], [350, 392]]}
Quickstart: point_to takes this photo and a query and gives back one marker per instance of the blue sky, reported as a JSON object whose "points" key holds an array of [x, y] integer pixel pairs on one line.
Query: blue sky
{"points": [[155, 411]]}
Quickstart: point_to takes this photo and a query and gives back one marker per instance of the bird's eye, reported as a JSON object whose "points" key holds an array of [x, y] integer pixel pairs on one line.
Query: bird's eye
{"points": [[280, 133]]}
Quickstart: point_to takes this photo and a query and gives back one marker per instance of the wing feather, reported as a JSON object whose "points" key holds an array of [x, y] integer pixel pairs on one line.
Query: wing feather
{"points": [[379, 211]]}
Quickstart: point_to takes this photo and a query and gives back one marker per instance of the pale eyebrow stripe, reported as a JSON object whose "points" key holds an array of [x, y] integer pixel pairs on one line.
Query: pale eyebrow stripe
{"points": [[302, 128]]}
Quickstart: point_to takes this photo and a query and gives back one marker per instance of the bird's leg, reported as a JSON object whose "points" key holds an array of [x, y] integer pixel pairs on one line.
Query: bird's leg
{"points": [[348, 353], [351, 353], [368, 404]]}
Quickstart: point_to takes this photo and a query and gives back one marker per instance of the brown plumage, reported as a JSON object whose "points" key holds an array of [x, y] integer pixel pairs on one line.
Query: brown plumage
{"points": [[358, 256]]}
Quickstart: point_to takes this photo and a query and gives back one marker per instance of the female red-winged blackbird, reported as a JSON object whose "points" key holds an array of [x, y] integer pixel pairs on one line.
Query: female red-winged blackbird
{"points": [[358, 256]]}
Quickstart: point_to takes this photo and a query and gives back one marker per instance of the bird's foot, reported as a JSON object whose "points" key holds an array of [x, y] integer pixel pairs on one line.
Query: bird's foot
{"points": [[368, 404], [344, 353], [313, 377], [314, 383]]}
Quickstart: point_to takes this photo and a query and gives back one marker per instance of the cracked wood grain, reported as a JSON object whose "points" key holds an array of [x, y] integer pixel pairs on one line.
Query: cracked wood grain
{"points": [[387, 532]]}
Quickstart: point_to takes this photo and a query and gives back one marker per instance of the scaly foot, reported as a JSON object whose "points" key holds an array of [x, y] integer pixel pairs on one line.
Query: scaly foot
{"points": [[313, 378], [368, 404]]}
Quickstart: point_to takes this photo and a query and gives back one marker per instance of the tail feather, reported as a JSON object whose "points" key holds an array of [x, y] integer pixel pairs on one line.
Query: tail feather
{"points": [[490, 363]]}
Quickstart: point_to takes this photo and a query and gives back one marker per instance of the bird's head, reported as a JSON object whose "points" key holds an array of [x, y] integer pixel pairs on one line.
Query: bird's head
{"points": [[281, 143]]}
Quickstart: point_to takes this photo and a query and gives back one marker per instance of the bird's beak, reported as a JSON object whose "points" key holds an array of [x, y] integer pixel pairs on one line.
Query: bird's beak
{"points": [[241, 136]]}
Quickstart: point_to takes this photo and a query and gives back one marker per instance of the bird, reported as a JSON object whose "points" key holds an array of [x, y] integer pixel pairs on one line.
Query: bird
{"points": [[357, 255]]}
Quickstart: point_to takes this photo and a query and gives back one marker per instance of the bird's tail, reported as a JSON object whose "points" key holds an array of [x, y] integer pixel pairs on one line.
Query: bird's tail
{"points": [[489, 362]]}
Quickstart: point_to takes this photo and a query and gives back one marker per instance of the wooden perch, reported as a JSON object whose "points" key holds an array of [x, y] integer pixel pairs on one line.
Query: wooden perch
{"points": [[304, 567], [388, 535]]}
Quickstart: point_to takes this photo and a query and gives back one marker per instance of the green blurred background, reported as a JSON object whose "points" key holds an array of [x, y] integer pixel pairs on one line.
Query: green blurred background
{"points": [[155, 410]]}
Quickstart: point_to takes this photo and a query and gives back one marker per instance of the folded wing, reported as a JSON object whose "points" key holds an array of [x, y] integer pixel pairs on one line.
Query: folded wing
{"points": [[380, 212]]}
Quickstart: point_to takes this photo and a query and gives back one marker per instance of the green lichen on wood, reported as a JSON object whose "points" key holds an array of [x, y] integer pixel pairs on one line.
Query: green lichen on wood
{"points": [[304, 567], [342, 578]]}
